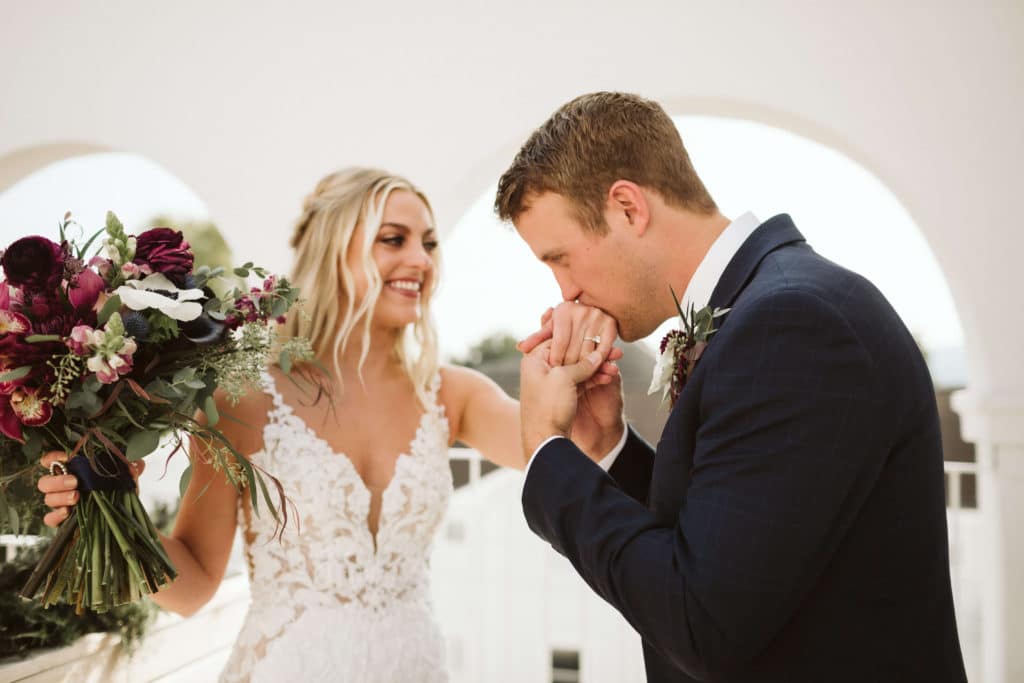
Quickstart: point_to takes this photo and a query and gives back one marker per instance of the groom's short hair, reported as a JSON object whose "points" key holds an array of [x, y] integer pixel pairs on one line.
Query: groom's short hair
{"points": [[591, 142]]}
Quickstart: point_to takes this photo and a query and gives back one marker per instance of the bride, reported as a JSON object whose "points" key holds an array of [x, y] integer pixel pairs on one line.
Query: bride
{"points": [[343, 594]]}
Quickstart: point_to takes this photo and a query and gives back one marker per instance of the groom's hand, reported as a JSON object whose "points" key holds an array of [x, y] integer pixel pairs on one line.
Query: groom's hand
{"points": [[548, 396], [599, 422]]}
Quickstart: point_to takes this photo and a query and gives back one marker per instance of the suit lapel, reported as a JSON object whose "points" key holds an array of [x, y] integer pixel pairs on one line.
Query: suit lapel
{"points": [[674, 455]]}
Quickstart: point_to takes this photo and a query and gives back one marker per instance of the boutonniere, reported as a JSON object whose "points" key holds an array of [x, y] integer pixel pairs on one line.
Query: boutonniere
{"points": [[682, 348]]}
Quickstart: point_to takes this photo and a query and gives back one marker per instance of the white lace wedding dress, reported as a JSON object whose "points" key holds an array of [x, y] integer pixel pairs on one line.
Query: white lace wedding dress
{"points": [[330, 602]]}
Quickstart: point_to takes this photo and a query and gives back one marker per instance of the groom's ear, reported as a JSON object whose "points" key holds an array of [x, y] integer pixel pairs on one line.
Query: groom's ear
{"points": [[627, 207]]}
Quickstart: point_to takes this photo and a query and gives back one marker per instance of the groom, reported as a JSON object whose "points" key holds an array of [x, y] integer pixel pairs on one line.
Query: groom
{"points": [[790, 526]]}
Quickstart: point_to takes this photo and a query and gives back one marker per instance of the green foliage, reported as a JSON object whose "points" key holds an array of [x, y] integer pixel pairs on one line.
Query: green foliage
{"points": [[161, 327], [496, 347], [25, 625]]}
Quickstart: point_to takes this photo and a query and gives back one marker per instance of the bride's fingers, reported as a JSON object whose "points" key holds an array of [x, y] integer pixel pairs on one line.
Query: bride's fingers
{"points": [[57, 483], [137, 468], [52, 456], [64, 498], [56, 517], [530, 343]]}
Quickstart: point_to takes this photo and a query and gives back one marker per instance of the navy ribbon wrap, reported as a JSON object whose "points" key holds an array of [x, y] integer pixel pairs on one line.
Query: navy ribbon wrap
{"points": [[111, 473]]}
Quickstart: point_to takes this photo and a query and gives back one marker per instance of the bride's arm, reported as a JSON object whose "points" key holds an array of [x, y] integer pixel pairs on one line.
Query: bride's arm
{"points": [[482, 416], [204, 529]]}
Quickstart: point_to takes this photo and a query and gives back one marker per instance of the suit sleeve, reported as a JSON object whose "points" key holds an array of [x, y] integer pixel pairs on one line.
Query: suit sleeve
{"points": [[785, 455], [632, 468]]}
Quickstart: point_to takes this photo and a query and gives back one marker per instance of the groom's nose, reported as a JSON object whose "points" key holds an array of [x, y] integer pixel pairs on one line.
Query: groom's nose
{"points": [[570, 291]]}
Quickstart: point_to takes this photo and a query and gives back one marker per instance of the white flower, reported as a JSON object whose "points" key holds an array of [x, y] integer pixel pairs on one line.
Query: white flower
{"points": [[661, 380], [139, 295], [109, 250]]}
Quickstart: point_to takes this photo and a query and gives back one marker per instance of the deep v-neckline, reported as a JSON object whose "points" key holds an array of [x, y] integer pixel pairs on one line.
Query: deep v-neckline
{"points": [[406, 454]]}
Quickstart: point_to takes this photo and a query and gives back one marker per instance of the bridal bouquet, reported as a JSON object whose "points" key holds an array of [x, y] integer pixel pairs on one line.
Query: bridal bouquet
{"points": [[103, 356]]}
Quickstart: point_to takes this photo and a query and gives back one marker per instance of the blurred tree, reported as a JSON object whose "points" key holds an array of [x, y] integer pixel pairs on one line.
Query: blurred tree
{"points": [[489, 350]]}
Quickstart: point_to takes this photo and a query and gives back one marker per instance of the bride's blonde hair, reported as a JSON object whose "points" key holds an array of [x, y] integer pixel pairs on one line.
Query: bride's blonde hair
{"points": [[322, 239]]}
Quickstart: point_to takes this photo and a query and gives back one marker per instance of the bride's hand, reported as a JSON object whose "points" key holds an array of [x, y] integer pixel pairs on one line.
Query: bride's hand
{"points": [[62, 489], [573, 329]]}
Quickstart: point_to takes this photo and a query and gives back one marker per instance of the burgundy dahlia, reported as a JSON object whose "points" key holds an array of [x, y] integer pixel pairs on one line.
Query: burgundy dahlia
{"points": [[165, 251], [35, 263]]}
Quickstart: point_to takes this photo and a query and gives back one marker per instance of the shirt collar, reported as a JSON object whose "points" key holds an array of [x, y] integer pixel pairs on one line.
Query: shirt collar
{"points": [[709, 272]]}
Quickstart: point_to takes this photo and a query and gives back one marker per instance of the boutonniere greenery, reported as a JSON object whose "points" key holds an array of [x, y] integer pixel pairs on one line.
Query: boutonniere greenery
{"points": [[682, 348]]}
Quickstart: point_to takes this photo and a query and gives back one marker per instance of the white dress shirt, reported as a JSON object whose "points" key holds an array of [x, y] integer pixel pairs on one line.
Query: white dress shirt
{"points": [[698, 292]]}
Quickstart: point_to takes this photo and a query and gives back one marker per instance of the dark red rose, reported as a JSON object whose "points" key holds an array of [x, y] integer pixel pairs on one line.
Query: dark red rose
{"points": [[35, 263], [165, 251]]}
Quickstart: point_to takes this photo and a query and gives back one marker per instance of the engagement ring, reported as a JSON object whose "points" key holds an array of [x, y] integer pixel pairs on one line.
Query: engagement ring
{"points": [[595, 339]]}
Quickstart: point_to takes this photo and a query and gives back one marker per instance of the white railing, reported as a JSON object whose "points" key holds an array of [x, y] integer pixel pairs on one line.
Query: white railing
{"points": [[955, 472], [208, 636]]}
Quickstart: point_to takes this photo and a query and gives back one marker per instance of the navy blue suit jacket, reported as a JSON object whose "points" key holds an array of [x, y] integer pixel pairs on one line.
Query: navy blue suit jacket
{"points": [[791, 525]]}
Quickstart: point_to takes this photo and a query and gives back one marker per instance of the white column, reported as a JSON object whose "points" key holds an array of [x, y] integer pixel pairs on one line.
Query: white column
{"points": [[995, 424]]}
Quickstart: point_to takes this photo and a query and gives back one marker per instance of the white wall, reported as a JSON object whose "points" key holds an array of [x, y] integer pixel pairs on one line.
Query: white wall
{"points": [[249, 104]]}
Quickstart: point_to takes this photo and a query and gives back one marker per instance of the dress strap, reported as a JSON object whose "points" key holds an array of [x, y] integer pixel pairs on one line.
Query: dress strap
{"points": [[270, 388]]}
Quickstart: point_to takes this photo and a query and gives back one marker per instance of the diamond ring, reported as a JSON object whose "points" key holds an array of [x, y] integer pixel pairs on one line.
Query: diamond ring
{"points": [[596, 339]]}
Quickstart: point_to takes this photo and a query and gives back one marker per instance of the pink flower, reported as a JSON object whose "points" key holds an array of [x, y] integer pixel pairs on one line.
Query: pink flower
{"points": [[102, 265], [81, 339], [85, 289], [109, 367], [135, 270], [32, 409]]}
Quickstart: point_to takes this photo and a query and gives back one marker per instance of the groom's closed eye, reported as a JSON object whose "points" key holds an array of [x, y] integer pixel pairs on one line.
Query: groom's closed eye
{"points": [[553, 257]]}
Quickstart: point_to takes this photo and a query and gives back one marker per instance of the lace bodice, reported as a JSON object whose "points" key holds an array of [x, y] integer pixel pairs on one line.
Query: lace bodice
{"points": [[328, 566]]}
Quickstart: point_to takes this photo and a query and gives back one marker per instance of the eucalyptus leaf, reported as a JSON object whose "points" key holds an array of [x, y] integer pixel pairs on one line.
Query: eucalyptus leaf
{"points": [[111, 306], [33, 446], [195, 384], [241, 272], [186, 477], [141, 444], [279, 308], [184, 375], [210, 408], [164, 390], [89, 402], [15, 374]]}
